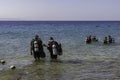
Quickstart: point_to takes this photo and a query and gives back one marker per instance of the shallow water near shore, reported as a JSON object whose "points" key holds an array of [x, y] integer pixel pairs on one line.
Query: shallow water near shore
{"points": [[94, 69], [79, 61]]}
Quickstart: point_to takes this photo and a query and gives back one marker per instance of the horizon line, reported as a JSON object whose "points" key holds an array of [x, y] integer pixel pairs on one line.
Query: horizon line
{"points": [[59, 20]]}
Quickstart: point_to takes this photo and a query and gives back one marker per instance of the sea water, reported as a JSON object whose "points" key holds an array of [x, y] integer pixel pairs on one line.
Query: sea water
{"points": [[80, 61]]}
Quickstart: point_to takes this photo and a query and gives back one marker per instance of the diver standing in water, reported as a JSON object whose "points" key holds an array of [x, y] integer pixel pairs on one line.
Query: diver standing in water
{"points": [[36, 48], [53, 48]]}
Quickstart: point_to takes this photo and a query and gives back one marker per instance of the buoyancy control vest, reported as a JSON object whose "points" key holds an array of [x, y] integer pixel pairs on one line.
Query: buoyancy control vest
{"points": [[37, 45]]}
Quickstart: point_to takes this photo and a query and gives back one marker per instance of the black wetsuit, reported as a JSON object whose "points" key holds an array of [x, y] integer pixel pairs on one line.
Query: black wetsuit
{"points": [[51, 50], [40, 51]]}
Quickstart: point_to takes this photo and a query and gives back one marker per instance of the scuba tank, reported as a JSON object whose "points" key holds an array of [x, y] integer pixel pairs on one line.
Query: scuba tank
{"points": [[36, 46], [54, 48]]}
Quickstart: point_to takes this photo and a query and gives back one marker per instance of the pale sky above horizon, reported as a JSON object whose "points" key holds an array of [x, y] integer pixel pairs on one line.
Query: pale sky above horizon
{"points": [[59, 9]]}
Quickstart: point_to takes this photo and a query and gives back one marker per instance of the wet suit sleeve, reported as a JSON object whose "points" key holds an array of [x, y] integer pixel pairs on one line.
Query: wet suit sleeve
{"points": [[49, 47], [31, 47]]}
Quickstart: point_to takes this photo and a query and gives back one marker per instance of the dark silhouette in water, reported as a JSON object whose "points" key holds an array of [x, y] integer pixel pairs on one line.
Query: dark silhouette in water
{"points": [[54, 48], [91, 39], [52, 44], [36, 48], [94, 39], [88, 40], [108, 40], [60, 51], [105, 40]]}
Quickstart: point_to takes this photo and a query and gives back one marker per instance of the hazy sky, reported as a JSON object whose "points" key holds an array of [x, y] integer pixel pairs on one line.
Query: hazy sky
{"points": [[60, 9]]}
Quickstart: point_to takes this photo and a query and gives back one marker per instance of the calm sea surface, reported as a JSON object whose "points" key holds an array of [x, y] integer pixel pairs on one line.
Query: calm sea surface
{"points": [[79, 61]]}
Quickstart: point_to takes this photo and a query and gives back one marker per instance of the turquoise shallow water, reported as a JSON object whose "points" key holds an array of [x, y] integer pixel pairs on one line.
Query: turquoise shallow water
{"points": [[79, 61]]}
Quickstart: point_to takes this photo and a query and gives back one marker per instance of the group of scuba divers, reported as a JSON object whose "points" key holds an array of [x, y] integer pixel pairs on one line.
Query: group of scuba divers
{"points": [[55, 48], [107, 39], [37, 50]]}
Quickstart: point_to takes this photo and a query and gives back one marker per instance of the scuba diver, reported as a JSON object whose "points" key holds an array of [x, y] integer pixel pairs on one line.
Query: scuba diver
{"points": [[36, 48], [54, 48]]}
